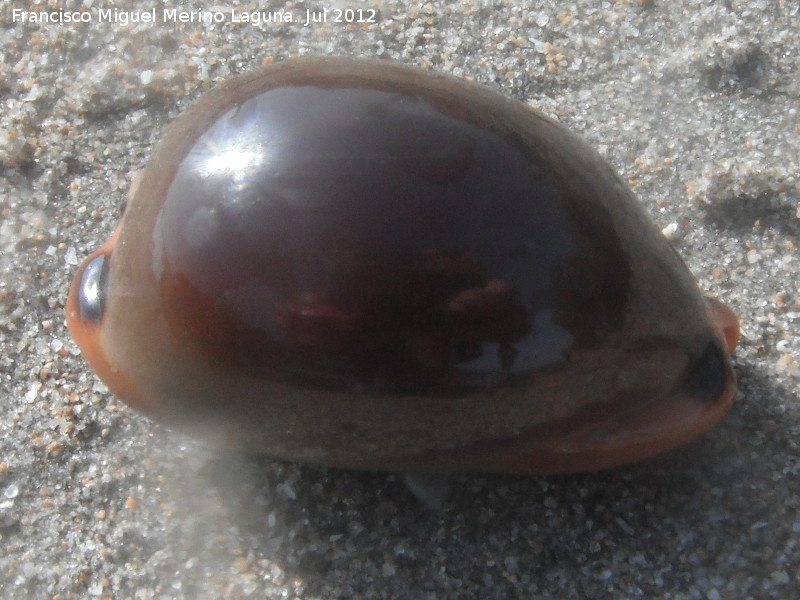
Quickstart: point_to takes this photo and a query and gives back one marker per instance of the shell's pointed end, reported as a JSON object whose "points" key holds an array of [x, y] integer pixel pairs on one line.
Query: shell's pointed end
{"points": [[726, 322], [587, 444]]}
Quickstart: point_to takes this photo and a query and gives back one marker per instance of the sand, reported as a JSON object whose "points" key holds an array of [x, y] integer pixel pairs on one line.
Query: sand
{"points": [[694, 103]]}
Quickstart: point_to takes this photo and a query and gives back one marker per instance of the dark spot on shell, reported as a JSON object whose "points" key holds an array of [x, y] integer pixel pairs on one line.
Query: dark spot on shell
{"points": [[92, 291], [707, 375]]}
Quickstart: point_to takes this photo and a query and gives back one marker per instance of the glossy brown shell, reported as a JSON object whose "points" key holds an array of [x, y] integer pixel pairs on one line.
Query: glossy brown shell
{"points": [[360, 264]]}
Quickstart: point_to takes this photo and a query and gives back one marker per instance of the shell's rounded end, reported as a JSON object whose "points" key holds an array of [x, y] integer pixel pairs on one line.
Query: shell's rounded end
{"points": [[725, 322], [86, 305], [85, 310]]}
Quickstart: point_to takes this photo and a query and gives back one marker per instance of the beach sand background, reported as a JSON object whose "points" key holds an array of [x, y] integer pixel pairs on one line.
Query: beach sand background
{"points": [[695, 103]]}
